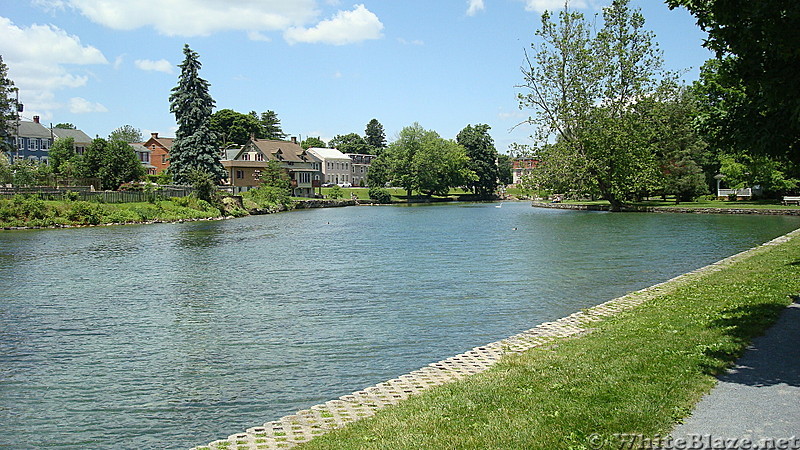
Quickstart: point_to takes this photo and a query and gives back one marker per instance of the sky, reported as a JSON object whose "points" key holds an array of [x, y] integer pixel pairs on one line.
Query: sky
{"points": [[326, 67]]}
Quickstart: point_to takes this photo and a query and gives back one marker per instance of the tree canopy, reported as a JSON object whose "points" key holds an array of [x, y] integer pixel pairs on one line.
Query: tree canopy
{"points": [[375, 136], [755, 75], [126, 133], [313, 142], [483, 158], [270, 125], [194, 145], [588, 92], [350, 143], [233, 128], [8, 108], [420, 160]]}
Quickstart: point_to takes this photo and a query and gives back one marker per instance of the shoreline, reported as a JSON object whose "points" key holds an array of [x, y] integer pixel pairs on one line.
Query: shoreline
{"points": [[340, 203], [670, 209], [307, 424]]}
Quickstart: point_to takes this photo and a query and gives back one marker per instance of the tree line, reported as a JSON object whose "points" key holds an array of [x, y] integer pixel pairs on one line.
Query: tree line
{"points": [[610, 122]]}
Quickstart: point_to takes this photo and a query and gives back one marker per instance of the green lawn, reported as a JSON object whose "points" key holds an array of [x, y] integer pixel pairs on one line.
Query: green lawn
{"points": [[638, 372], [398, 195]]}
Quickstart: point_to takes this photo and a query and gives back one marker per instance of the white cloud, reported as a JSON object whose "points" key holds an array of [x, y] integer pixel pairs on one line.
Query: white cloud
{"points": [[78, 105], [162, 65], [474, 7], [197, 18], [41, 60], [257, 36], [346, 27], [553, 5]]}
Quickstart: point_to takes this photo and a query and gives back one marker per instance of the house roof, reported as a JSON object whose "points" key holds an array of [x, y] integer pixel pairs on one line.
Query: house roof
{"points": [[77, 135], [33, 130], [328, 153], [162, 141], [282, 151]]}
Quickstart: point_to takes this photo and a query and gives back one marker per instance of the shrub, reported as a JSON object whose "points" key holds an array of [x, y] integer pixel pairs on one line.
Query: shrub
{"points": [[85, 212], [380, 195], [71, 196], [335, 192]]}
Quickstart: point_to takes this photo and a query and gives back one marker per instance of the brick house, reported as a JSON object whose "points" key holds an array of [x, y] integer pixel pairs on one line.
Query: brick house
{"points": [[159, 153]]}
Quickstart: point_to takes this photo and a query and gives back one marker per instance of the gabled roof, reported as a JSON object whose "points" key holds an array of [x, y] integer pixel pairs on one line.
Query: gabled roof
{"points": [[77, 135], [281, 150], [162, 141], [33, 130], [328, 153]]}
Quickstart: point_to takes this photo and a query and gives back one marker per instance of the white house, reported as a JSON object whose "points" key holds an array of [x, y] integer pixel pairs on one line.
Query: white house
{"points": [[336, 166]]}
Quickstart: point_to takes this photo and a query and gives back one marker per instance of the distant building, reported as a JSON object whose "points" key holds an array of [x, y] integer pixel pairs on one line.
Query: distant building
{"points": [[336, 166], [521, 168], [143, 155], [81, 139], [32, 141], [159, 152], [244, 165], [360, 167]]}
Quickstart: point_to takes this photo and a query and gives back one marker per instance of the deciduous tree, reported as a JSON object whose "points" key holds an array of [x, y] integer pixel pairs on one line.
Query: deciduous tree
{"points": [[584, 89], [313, 142], [483, 158], [350, 143], [270, 125], [233, 128], [757, 59], [126, 133]]}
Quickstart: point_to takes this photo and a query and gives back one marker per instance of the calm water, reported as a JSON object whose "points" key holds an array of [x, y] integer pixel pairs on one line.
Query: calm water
{"points": [[170, 336]]}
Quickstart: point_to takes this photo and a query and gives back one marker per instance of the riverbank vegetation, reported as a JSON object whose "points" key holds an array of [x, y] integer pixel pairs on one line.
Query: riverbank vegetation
{"points": [[31, 211], [639, 372], [611, 123]]}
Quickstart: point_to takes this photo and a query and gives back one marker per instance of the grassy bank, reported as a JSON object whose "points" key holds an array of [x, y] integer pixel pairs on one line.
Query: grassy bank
{"points": [[636, 373], [702, 203], [22, 211]]}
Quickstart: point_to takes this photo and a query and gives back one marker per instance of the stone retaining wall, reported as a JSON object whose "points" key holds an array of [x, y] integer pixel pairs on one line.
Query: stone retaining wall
{"points": [[304, 425]]}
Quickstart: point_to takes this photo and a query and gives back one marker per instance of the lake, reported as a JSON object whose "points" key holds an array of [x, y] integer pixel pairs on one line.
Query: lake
{"points": [[174, 335]]}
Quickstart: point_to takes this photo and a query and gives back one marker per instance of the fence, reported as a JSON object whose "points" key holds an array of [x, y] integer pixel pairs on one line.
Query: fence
{"points": [[86, 193]]}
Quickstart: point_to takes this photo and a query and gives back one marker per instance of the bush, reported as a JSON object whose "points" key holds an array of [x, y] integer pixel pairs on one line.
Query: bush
{"points": [[335, 192], [380, 195], [71, 196], [85, 212]]}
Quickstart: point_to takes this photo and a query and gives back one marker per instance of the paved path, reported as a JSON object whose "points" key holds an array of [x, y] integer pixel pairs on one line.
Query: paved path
{"points": [[757, 404]]}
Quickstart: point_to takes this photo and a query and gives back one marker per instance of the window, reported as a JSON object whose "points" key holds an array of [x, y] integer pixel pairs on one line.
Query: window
{"points": [[20, 143], [259, 156], [31, 144], [305, 177], [45, 144], [80, 150], [239, 174], [246, 157], [163, 159]]}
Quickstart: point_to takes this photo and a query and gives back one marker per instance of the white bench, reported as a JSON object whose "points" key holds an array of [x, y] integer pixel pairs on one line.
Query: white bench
{"points": [[790, 200]]}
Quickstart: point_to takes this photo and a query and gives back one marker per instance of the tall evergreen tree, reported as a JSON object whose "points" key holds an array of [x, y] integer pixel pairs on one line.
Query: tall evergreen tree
{"points": [[270, 125], [8, 109], [375, 136], [190, 101]]}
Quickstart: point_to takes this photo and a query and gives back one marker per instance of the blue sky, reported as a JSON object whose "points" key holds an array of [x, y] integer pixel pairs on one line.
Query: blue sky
{"points": [[326, 67]]}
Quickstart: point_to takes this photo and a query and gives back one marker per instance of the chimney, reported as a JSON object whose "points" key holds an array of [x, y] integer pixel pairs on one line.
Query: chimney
{"points": [[154, 135], [294, 139], [35, 119]]}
